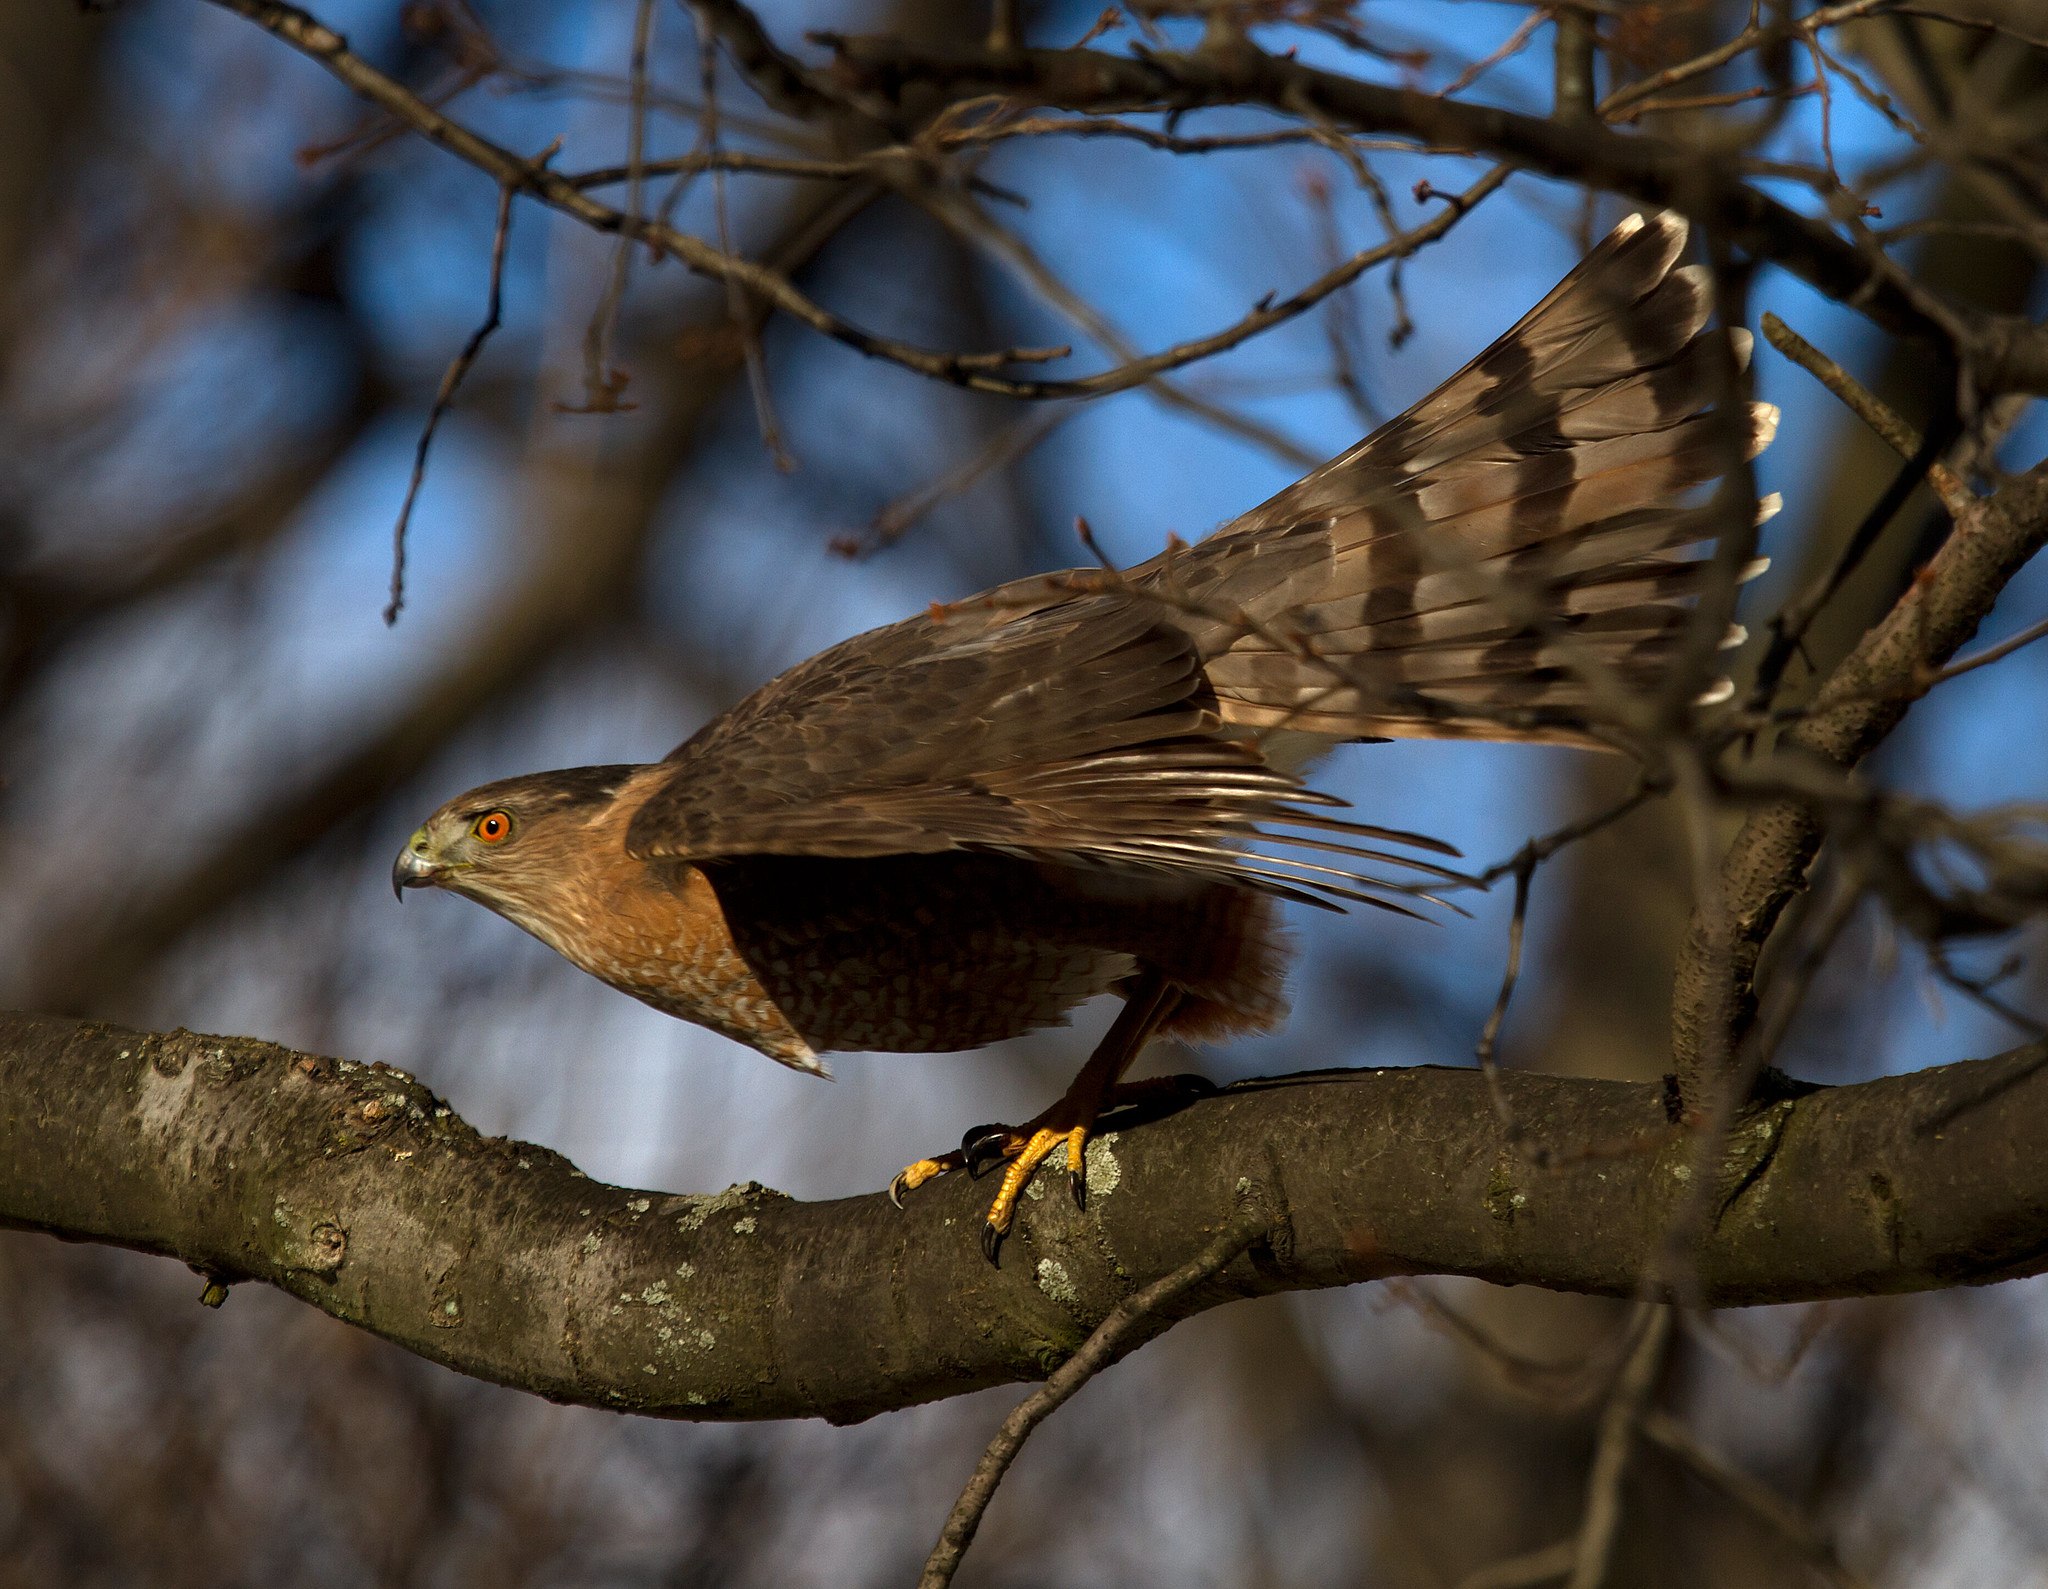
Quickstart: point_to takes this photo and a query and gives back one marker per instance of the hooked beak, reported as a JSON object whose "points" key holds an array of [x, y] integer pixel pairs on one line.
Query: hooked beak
{"points": [[412, 869]]}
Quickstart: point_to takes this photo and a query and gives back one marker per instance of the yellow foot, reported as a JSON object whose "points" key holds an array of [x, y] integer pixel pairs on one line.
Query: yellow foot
{"points": [[1025, 1156], [912, 1176], [1024, 1150]]}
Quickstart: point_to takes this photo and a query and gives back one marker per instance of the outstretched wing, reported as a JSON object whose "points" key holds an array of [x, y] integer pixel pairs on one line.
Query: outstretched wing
{"points": [[1483, 567], [1070, 728]]}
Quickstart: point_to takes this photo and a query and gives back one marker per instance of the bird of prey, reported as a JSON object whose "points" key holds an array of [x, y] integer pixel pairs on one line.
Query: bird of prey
{"points": [[954, 829]]}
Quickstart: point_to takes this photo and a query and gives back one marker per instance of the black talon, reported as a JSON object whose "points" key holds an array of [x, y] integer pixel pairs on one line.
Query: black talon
{"points": [[991, 1244], [983, 1153], [1077, 1183], [896, 1189], [974, 1134]]}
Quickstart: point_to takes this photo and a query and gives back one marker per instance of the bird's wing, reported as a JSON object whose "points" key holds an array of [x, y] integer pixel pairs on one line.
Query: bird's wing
{"points": [[1502, 561], [1075, 728]]}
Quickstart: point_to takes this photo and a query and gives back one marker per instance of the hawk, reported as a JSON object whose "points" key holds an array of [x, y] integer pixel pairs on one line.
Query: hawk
{"points": [[954, 829]]}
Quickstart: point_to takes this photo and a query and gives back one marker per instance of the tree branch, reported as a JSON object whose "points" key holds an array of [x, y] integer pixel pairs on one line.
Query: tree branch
{"points": [[355, 1189], [914, 83], [2013, 352], [1861, 702]]}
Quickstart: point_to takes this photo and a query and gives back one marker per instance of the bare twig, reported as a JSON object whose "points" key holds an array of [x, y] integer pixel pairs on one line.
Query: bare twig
{"points": [[1005, 28], [1991, 654], [1758, 1499], [1084, 532], [972, 223], [1522, 867], [1101, 1349], [1865, 697], [1489, 1035], [735, 298], [1955, 493], [1789, 626], [444, 399], [1559, 1384], [1541, 1566], [602, 383], [1582, 1559], [1602, 1515], [1756, 36], [1737, 96], [1339, 320], [1003, 129], [1827, 113], [734, 160], [1010, 443], [1512, 45]]}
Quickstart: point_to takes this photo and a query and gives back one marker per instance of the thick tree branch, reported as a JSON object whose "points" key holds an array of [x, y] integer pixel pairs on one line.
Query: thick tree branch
{"points": [[354, 1188]]}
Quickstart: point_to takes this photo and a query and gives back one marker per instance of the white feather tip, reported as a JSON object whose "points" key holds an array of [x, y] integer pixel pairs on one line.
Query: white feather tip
{"points": [[1763, 425]]}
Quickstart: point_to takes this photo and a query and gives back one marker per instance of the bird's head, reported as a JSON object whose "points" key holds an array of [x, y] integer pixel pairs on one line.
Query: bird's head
{"points": [[503, 844]]}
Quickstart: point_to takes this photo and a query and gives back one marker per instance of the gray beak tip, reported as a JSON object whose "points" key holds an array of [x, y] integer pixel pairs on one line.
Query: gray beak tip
{"points": [[410, 870]]}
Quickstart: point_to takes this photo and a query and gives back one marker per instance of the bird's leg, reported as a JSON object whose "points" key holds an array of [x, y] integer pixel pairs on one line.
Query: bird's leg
{"points": [[1067, 1122]]}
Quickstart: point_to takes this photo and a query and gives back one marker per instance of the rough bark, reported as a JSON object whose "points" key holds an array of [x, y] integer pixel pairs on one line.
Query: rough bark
{"points": [[355, 1189]]}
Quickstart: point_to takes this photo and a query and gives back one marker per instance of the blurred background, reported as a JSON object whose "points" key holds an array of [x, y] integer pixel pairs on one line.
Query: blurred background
{"points": [[228, 293]]}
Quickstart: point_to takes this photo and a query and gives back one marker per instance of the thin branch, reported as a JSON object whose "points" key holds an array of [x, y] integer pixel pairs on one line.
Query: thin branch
{"points": [[602, 383], [1489, 1035], [1102, 1348], [1512, 45], [1544, 1565], [444, 399], [1955, 493], [1856, 707], [967, 220], [1653, 171], [1009, 444], [1789, 625], [1758, 1499], [1522, 867], [1561, 1385], [1754, 37], [1002, 129], [1738, 96], [777, 76], [1573, 63], [734, 160], [1991, 654], [1602, 1516], [736, 302]]}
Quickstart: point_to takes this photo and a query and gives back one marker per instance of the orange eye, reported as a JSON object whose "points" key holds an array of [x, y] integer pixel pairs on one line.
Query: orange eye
{"points": [[493, 827]]}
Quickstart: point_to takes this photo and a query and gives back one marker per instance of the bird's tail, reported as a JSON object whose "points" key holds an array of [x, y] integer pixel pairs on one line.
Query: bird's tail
{"points": [[1521, 540]]}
